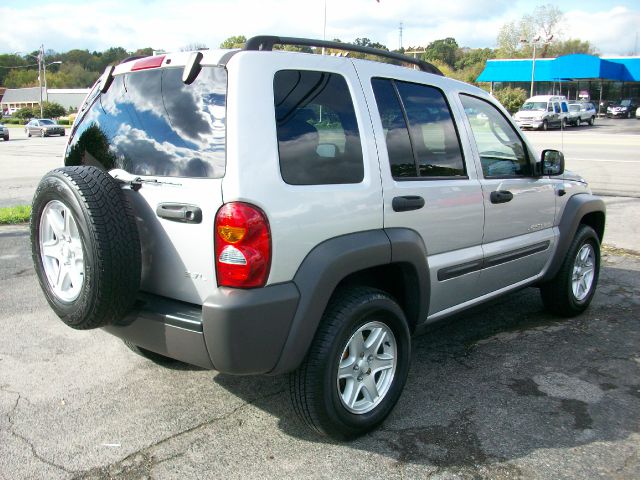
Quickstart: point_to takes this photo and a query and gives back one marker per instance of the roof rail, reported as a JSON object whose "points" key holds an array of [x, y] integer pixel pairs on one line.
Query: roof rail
{"points": [[266, 43]]}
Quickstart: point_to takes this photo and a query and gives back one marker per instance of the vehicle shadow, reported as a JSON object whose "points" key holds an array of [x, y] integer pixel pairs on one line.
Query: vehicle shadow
{"points": [[501, 381]]}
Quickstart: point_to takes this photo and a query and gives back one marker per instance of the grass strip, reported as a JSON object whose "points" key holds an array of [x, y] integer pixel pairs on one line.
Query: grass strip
{"points": [[14, 215]]}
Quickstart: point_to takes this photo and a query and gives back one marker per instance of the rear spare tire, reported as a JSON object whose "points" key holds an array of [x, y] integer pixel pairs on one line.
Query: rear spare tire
{"points": [[85, 246]]}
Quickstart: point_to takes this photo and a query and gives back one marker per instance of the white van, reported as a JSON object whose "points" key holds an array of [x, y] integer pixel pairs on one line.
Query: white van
{"points": [[543, 112]]}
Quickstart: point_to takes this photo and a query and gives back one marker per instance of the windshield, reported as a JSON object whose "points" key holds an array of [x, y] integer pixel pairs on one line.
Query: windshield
{"points": [[534, 106], [47, 122], [574, 108], [625, 103]]}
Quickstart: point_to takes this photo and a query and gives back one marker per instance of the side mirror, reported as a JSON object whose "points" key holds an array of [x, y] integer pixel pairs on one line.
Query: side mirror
{"points": [[552, 162]]}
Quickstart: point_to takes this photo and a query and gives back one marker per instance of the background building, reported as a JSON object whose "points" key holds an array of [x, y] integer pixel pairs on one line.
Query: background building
{"points": [[17, 98], [604, 78]]}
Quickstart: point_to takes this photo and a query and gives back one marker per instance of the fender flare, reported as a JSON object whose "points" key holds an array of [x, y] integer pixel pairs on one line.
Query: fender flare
{"points": [[575, 210], [332, 261]]}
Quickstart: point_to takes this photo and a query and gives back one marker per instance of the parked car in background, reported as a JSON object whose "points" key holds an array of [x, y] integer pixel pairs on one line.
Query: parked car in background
{"points": [[638, 113], [625, 108], [4, 132], [43, 127], [573, 117], [581, 112], [543, 112]]}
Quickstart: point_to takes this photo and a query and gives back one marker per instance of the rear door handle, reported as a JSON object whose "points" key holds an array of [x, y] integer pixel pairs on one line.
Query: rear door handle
{"points": [[501, 196], [179, 212], [407, 203]]}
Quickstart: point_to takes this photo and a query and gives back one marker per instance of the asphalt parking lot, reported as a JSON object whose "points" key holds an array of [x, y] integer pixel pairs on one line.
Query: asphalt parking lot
{"points": [[503, 391]]}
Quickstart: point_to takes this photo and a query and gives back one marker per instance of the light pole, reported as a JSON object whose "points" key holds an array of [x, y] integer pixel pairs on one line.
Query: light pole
{"points": [[534, 43], [45, 65]]}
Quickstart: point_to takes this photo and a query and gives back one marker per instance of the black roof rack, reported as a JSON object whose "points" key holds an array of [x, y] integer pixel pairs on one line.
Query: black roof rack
{"points": [[266, 43]]}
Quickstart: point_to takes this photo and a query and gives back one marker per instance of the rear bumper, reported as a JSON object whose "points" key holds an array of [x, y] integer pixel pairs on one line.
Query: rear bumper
{"points": [[235, 331]]}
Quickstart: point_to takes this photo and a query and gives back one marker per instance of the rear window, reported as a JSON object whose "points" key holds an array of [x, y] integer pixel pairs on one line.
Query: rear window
{"points": [[317, 130], [422, 140], [151, 123]]}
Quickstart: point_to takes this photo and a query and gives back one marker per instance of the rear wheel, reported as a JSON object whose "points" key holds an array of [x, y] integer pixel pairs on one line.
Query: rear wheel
{"points": [[43, 133], [545, 125], [572, 289], [592, 120], [563, 123], [85, 246], [356, 366]]}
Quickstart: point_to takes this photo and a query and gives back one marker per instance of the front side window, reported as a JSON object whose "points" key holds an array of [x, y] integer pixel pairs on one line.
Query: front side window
{"points": [[556, 107], [502, 152], [317, 130], [422, 141]]}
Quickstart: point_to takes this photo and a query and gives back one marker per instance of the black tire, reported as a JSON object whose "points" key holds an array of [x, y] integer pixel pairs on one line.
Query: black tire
{"points": [[592, 120], [314, 386], [6, 138], [63, 134], [28, 133], [545, 125], [557, 295], [110, 245], [149, 355], [563, 123], [43, 133]]}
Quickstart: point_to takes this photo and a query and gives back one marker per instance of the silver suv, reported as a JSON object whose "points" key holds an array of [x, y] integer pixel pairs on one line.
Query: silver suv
{"points": [[266, 212]]}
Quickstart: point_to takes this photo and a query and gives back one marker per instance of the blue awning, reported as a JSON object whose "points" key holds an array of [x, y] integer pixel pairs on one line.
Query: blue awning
{"points": [[568, 67]]}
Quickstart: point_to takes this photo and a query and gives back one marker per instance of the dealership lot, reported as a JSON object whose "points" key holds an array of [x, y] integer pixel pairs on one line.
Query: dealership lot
{"points": [[605, 154], [502, 391]]}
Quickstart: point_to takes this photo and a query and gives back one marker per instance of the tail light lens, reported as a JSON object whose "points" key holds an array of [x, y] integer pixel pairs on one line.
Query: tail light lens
{"points": [[242, 246]]}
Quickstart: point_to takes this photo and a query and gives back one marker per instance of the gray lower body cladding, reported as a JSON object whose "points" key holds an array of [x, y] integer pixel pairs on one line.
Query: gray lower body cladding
{"points": [[235, 331], [269, 330]]}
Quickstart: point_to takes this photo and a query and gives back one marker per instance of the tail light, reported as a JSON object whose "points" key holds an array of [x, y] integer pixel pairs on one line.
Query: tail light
{"points": [[242, 246]]}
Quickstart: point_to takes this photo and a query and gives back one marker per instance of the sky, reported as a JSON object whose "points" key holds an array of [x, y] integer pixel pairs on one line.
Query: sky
{"points": [[613, 26]]}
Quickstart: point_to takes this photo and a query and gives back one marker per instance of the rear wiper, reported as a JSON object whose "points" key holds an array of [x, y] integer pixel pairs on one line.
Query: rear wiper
{"points": [[135, 183]]}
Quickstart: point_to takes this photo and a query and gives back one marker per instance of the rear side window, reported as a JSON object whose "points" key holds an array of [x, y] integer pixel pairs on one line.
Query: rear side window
{"points": [[151, 123], [564, 107], [421, 137], [317, 130]]}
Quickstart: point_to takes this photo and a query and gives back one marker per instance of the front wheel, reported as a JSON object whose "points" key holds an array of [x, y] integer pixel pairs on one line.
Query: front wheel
{"points": [[356, 366], [572, 289], [592, 120], [545, 125]]}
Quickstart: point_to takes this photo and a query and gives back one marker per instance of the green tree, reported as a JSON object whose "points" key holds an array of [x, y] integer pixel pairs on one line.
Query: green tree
{"points": [[511, 98], [21, 77], [444, 50], [52, 110], [143, 52], [25, 113], [236, 41], [6, 62], [570, 46], [365, 42]]}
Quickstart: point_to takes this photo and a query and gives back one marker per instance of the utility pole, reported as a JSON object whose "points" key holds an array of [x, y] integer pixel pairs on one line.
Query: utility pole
{"points": [[40, 53], [400, 30], [44, 73], [324, 28]]}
